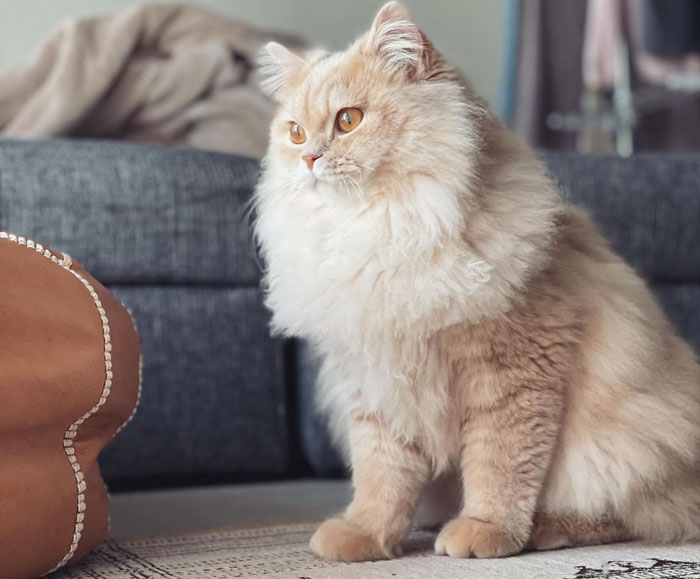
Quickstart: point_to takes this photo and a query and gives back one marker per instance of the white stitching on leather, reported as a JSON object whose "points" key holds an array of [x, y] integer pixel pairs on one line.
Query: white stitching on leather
{"points": [[65, 261], [72, 431], [139, 391]]}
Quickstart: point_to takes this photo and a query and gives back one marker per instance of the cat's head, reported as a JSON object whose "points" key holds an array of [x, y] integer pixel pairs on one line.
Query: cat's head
{"points": [[388, 106]]}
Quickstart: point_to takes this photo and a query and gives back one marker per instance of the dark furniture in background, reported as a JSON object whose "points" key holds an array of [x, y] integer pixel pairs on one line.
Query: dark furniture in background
{"points": [[167, 230]]}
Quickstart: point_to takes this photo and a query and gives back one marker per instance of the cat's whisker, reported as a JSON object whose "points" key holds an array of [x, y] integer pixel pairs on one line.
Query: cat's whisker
{"points": [[344, 183], [367, 167], [359, 191], [347, 183]]}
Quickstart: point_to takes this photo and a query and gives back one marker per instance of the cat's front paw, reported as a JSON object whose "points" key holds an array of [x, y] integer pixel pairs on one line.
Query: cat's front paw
{"points": [[465, 537], [341, 540]]}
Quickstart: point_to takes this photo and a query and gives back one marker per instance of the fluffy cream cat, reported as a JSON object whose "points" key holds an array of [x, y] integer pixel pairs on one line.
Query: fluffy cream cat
{"points": [[471, 324]]}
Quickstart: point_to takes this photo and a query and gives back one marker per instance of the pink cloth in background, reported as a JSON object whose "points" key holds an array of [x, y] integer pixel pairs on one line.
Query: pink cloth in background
{"points": [[606, 22], [602, 31]]}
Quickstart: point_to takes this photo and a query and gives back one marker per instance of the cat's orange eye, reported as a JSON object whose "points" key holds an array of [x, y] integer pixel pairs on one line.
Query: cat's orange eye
{"points": [[297, 134], [348, 119]]}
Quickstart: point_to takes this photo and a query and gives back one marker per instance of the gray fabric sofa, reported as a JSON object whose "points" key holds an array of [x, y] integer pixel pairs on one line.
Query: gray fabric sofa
{"points": [[167, 230]]}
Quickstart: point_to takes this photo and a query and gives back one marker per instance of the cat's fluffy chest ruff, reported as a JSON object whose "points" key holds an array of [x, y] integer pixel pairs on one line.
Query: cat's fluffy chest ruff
{"points": [[371, 286], [366, 274]]}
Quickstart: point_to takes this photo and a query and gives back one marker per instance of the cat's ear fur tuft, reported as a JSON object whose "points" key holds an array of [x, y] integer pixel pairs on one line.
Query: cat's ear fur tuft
{"points": [[395, 39], [278, 68], [401, 47]]}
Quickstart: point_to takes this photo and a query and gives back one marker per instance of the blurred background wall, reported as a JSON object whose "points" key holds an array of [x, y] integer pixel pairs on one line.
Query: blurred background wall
{"points": [[596, 76], [469, 32]]}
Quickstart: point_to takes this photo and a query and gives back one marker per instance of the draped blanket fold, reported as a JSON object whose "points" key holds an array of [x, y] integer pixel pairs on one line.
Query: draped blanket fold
{"points": [[175, 74]]}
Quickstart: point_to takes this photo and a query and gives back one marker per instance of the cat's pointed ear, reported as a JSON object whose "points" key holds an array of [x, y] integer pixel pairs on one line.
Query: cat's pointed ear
{"points": [[400, 45], [278, 68], [395, 39]]}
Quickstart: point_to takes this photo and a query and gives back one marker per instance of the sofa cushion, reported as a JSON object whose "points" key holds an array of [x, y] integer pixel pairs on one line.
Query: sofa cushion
{"points": [[166, 228], [681, 302], [134, 214], [647, 205], [213, 402]]}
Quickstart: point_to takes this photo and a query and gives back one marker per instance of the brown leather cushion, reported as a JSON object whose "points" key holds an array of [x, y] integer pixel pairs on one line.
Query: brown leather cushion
{"points": [[69, 380]]}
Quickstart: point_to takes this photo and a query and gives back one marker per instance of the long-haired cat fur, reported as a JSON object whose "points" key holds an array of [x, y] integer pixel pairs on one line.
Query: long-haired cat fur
{"points": [[471, 325]]}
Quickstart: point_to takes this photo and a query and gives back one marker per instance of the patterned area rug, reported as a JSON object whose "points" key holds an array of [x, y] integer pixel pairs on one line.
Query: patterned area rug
{"points": [[281, 552]]}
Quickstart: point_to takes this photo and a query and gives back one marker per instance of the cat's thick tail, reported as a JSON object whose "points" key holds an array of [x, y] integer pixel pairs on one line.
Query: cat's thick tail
{"points": [[668, 515]]}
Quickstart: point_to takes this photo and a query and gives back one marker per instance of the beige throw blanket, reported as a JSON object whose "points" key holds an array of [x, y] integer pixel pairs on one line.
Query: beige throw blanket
{"points": [[173, 74]]}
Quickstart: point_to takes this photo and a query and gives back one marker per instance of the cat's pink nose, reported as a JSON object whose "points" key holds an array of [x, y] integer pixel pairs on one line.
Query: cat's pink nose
{"points": [[310, 160]]}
